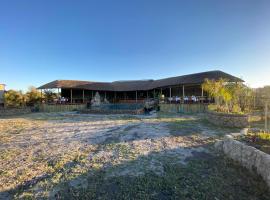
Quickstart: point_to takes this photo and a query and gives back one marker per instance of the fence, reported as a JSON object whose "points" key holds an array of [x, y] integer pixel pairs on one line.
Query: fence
{"points": [[183, 108], [61, 107], [266, 116]]}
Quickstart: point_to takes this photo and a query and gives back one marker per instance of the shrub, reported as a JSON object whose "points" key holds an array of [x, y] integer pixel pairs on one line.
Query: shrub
{"points": [[264, 136], [50, 96], [229, 97], [32, 96], [14, 98]]}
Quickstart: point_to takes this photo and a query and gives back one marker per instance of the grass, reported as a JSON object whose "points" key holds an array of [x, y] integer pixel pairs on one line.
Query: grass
{"points": [[264, 136], [259, 140], [61, 161], [213, 178]]}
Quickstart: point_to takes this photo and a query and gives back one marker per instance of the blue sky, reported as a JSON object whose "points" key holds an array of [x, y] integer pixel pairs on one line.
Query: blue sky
{"points": [[106, 40]]}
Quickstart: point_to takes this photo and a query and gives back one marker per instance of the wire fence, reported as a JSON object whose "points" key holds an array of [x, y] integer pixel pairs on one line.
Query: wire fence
{"points": [[261, 105]]}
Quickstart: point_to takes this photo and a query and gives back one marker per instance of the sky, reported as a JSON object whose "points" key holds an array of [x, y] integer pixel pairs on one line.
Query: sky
{"points": [[108, 40]]}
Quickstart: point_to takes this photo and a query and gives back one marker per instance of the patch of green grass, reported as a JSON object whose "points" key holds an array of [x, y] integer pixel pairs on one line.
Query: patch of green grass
{"points": [[184, 127], [216, 178], [264, 136], [260, 141]]}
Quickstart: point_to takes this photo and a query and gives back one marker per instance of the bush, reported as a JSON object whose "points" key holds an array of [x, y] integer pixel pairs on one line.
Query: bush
{"points": [[50, 96], [32, 96], [229, 96], [264, 136], [14, 98], [17, 99]]}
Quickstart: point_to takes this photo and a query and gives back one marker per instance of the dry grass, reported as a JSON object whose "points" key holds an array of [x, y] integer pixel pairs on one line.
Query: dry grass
{"points": [[51, 155]]}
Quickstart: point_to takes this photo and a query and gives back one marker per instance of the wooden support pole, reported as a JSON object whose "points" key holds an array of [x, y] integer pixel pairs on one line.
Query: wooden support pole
{"points": [[183, 91], [92, 94], [147, 94], [154, 93], [202, 91], [105, 95], [83, 95], [266, 116], [71, 100], [136, 96], [170, 94], [41, 95]]}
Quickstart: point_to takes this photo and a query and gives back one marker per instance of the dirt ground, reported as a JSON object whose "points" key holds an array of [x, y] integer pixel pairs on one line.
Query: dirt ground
{"points": [[85, 156]]}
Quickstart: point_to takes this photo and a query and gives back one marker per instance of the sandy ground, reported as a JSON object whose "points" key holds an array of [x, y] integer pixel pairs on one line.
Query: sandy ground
{"points": [[38, 150]]}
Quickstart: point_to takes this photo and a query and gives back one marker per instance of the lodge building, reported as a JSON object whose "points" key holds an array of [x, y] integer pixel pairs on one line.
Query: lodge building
{"points": [[134, 91]]}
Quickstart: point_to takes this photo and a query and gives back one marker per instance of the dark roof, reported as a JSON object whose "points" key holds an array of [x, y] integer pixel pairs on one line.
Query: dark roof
{"points": [[134, 85]]}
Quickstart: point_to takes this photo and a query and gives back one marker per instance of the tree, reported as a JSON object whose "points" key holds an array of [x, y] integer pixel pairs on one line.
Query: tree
{"points": [[229, 96], [50, 96], [216, 90], [262, 95], [14, 98], [33, 96]]}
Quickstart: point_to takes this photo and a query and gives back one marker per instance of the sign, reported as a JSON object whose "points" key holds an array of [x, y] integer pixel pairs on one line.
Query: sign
{"points": [[2, 87]]}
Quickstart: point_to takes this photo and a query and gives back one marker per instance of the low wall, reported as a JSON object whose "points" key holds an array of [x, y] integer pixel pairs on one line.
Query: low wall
{"points": [[61, 107], [249, 157], [100, 111], [183, 108], [227, 120], [14, 111]]}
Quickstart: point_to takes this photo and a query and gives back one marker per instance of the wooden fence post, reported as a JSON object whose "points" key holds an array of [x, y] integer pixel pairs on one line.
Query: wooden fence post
{"points": [[266, 117]]}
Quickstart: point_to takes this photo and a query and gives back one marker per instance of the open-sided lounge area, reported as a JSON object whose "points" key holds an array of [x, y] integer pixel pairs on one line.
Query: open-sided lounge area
{"points": [[179, 89]]}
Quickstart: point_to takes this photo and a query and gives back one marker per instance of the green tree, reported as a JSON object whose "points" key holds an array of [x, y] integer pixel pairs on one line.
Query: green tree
{"points": [[229, 96], [14, 98], [33, 96], [215, 89], [50, 96]]}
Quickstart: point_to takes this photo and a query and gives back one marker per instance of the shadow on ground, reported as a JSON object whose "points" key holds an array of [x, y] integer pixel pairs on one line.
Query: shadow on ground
{"points": [[178, 163], [204, 176]]}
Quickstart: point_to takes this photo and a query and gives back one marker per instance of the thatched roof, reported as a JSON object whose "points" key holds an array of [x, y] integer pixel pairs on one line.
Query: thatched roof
{"points": [[134, 85]]}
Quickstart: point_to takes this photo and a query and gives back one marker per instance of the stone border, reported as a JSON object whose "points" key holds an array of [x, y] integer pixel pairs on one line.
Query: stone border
{"points": [[183, 108], [227, 120], [248, 156]]}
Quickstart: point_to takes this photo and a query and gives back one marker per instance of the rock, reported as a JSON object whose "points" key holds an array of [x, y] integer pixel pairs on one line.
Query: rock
{"points": [[227, 120], [249, 157], [219, 145]]}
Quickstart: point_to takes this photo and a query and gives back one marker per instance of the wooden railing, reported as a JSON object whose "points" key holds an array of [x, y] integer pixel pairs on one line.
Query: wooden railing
{"points": [[61, 107]]}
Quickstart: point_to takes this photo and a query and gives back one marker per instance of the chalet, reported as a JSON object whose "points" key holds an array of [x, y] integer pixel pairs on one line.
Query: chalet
{"points": [[138, 90]]}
